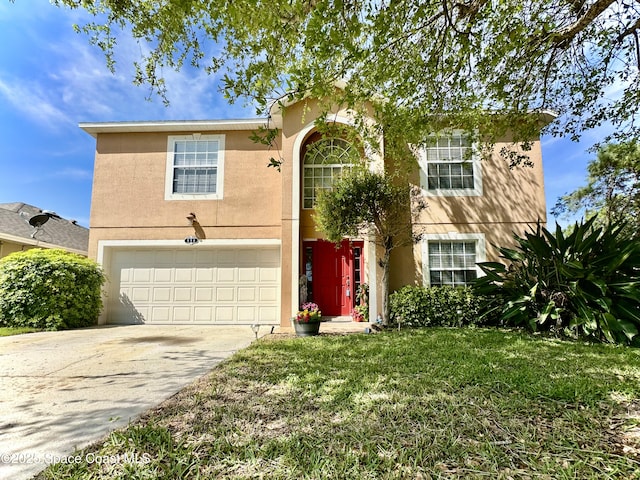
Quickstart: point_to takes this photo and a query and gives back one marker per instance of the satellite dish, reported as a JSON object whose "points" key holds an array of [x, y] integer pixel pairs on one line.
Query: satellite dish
{"points": [[39, 220], [51, 213]]}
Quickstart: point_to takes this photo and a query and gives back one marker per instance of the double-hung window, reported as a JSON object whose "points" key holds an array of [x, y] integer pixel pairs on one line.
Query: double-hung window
{"points": [[450, 259], [195, 166], [450, 166]]}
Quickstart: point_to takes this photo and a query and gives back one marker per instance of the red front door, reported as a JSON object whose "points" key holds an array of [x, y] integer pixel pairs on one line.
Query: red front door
{"points": [[333, 274]]}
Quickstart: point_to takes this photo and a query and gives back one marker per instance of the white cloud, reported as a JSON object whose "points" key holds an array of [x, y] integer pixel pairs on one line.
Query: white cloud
{"points": [[33, 101], [84, 84], [70, 78], [193, 94], [547, 141], [92, 93], [71, 173]]}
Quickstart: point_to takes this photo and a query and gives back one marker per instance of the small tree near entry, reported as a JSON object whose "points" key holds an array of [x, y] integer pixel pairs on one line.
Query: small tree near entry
{"points": [[370, 204]]}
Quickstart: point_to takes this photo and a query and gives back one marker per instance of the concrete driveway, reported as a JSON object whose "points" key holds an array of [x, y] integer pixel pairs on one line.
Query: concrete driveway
{"points": [[63, 390]]}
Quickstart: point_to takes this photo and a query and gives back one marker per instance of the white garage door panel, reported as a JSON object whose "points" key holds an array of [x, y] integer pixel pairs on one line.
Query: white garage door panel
{"points": [[221, 285]]}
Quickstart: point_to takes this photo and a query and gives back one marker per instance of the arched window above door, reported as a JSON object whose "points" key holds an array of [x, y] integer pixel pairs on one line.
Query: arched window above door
{"points": [[323, 161]]}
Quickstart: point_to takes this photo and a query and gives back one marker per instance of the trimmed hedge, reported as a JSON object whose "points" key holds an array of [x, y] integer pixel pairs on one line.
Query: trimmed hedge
{"points": [[444, 306], [49, 289]]}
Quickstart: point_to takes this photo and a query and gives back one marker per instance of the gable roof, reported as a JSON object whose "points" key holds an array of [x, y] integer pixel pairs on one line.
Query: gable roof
{"points": [[56, 233]]}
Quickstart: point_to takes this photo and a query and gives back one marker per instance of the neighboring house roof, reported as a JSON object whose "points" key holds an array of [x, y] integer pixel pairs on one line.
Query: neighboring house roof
{"points": [[57, 232]]}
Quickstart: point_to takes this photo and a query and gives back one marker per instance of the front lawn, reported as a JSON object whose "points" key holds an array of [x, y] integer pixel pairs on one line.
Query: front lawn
{"points": [[6, 331], [443, 403]]}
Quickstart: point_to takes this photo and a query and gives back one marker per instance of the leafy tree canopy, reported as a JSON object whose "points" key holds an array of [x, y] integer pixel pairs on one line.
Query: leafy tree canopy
{"points": [[612, 193], [361, 202], [428, 59]]}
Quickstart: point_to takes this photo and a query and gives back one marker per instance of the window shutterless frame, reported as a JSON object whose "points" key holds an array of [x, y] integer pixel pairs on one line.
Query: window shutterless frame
{"points": [[195, 167], [451, 258], [450, 166]]}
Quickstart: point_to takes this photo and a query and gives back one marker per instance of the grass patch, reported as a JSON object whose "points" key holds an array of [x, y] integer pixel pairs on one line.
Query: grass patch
{"points": [[428, 403], [7, 331]]}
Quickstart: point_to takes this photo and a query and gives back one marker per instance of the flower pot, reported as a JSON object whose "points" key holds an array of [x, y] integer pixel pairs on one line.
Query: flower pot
{"points": [[307, 329]]}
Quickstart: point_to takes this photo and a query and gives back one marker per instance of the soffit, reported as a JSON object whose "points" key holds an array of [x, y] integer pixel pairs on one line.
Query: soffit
{"points": [[95, 128]]}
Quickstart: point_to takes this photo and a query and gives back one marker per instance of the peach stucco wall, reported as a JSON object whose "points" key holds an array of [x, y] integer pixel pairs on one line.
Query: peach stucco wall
{"points": [[7, 247], [512, 201], [128, 200], [509, 195]]}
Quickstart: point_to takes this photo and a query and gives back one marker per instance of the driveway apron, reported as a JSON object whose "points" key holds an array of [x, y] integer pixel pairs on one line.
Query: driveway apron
{"points": [[64, 390]]}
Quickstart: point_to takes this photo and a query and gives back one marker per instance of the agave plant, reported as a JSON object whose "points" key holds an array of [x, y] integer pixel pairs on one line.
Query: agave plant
{"points": [[585, 283]]}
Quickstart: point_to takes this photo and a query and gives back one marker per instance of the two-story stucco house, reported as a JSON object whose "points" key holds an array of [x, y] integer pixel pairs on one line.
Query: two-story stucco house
{"points": [[192, 227]]}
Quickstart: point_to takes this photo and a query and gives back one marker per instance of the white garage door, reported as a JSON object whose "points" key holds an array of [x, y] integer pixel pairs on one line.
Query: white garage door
{"points": [[195, 285]]}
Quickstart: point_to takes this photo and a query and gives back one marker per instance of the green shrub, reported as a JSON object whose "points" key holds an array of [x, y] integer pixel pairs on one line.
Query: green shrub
{"points": [[49, 289], [584, 284], [434, 306]]}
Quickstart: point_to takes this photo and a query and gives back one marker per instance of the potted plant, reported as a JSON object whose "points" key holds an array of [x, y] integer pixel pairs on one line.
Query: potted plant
{"points": [[360, 313], [307, 320], [357, 315]]}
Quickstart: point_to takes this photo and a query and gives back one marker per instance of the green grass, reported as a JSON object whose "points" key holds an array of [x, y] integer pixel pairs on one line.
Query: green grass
{"points": [[428, 403], [6, 331]]}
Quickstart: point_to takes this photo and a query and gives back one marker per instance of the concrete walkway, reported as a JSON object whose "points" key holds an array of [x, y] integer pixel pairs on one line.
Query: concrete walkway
{"points": [[63, 390]]}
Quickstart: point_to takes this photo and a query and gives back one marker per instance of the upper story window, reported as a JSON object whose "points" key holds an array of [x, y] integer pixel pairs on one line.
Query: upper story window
{"points": [[324, 160], [450, 166], [195, 167]]}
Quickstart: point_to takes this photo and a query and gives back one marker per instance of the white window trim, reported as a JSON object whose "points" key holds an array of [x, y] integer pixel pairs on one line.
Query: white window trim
{"points": [[481, 250], [168, 188], [475, 161]]}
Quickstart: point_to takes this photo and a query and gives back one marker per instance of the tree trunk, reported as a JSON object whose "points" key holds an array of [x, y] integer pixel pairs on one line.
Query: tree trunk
{"points": [[388, 246]]}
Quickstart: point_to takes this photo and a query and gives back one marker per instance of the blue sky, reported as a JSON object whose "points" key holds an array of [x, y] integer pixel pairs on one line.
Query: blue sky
{"points": [[51, 79]]}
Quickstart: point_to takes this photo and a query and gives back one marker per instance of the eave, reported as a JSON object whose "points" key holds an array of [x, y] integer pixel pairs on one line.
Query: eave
{"points": [[95, 128]]}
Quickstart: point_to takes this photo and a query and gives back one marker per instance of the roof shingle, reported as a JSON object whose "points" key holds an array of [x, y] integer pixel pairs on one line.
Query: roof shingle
{"points": [[14, 221]]}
